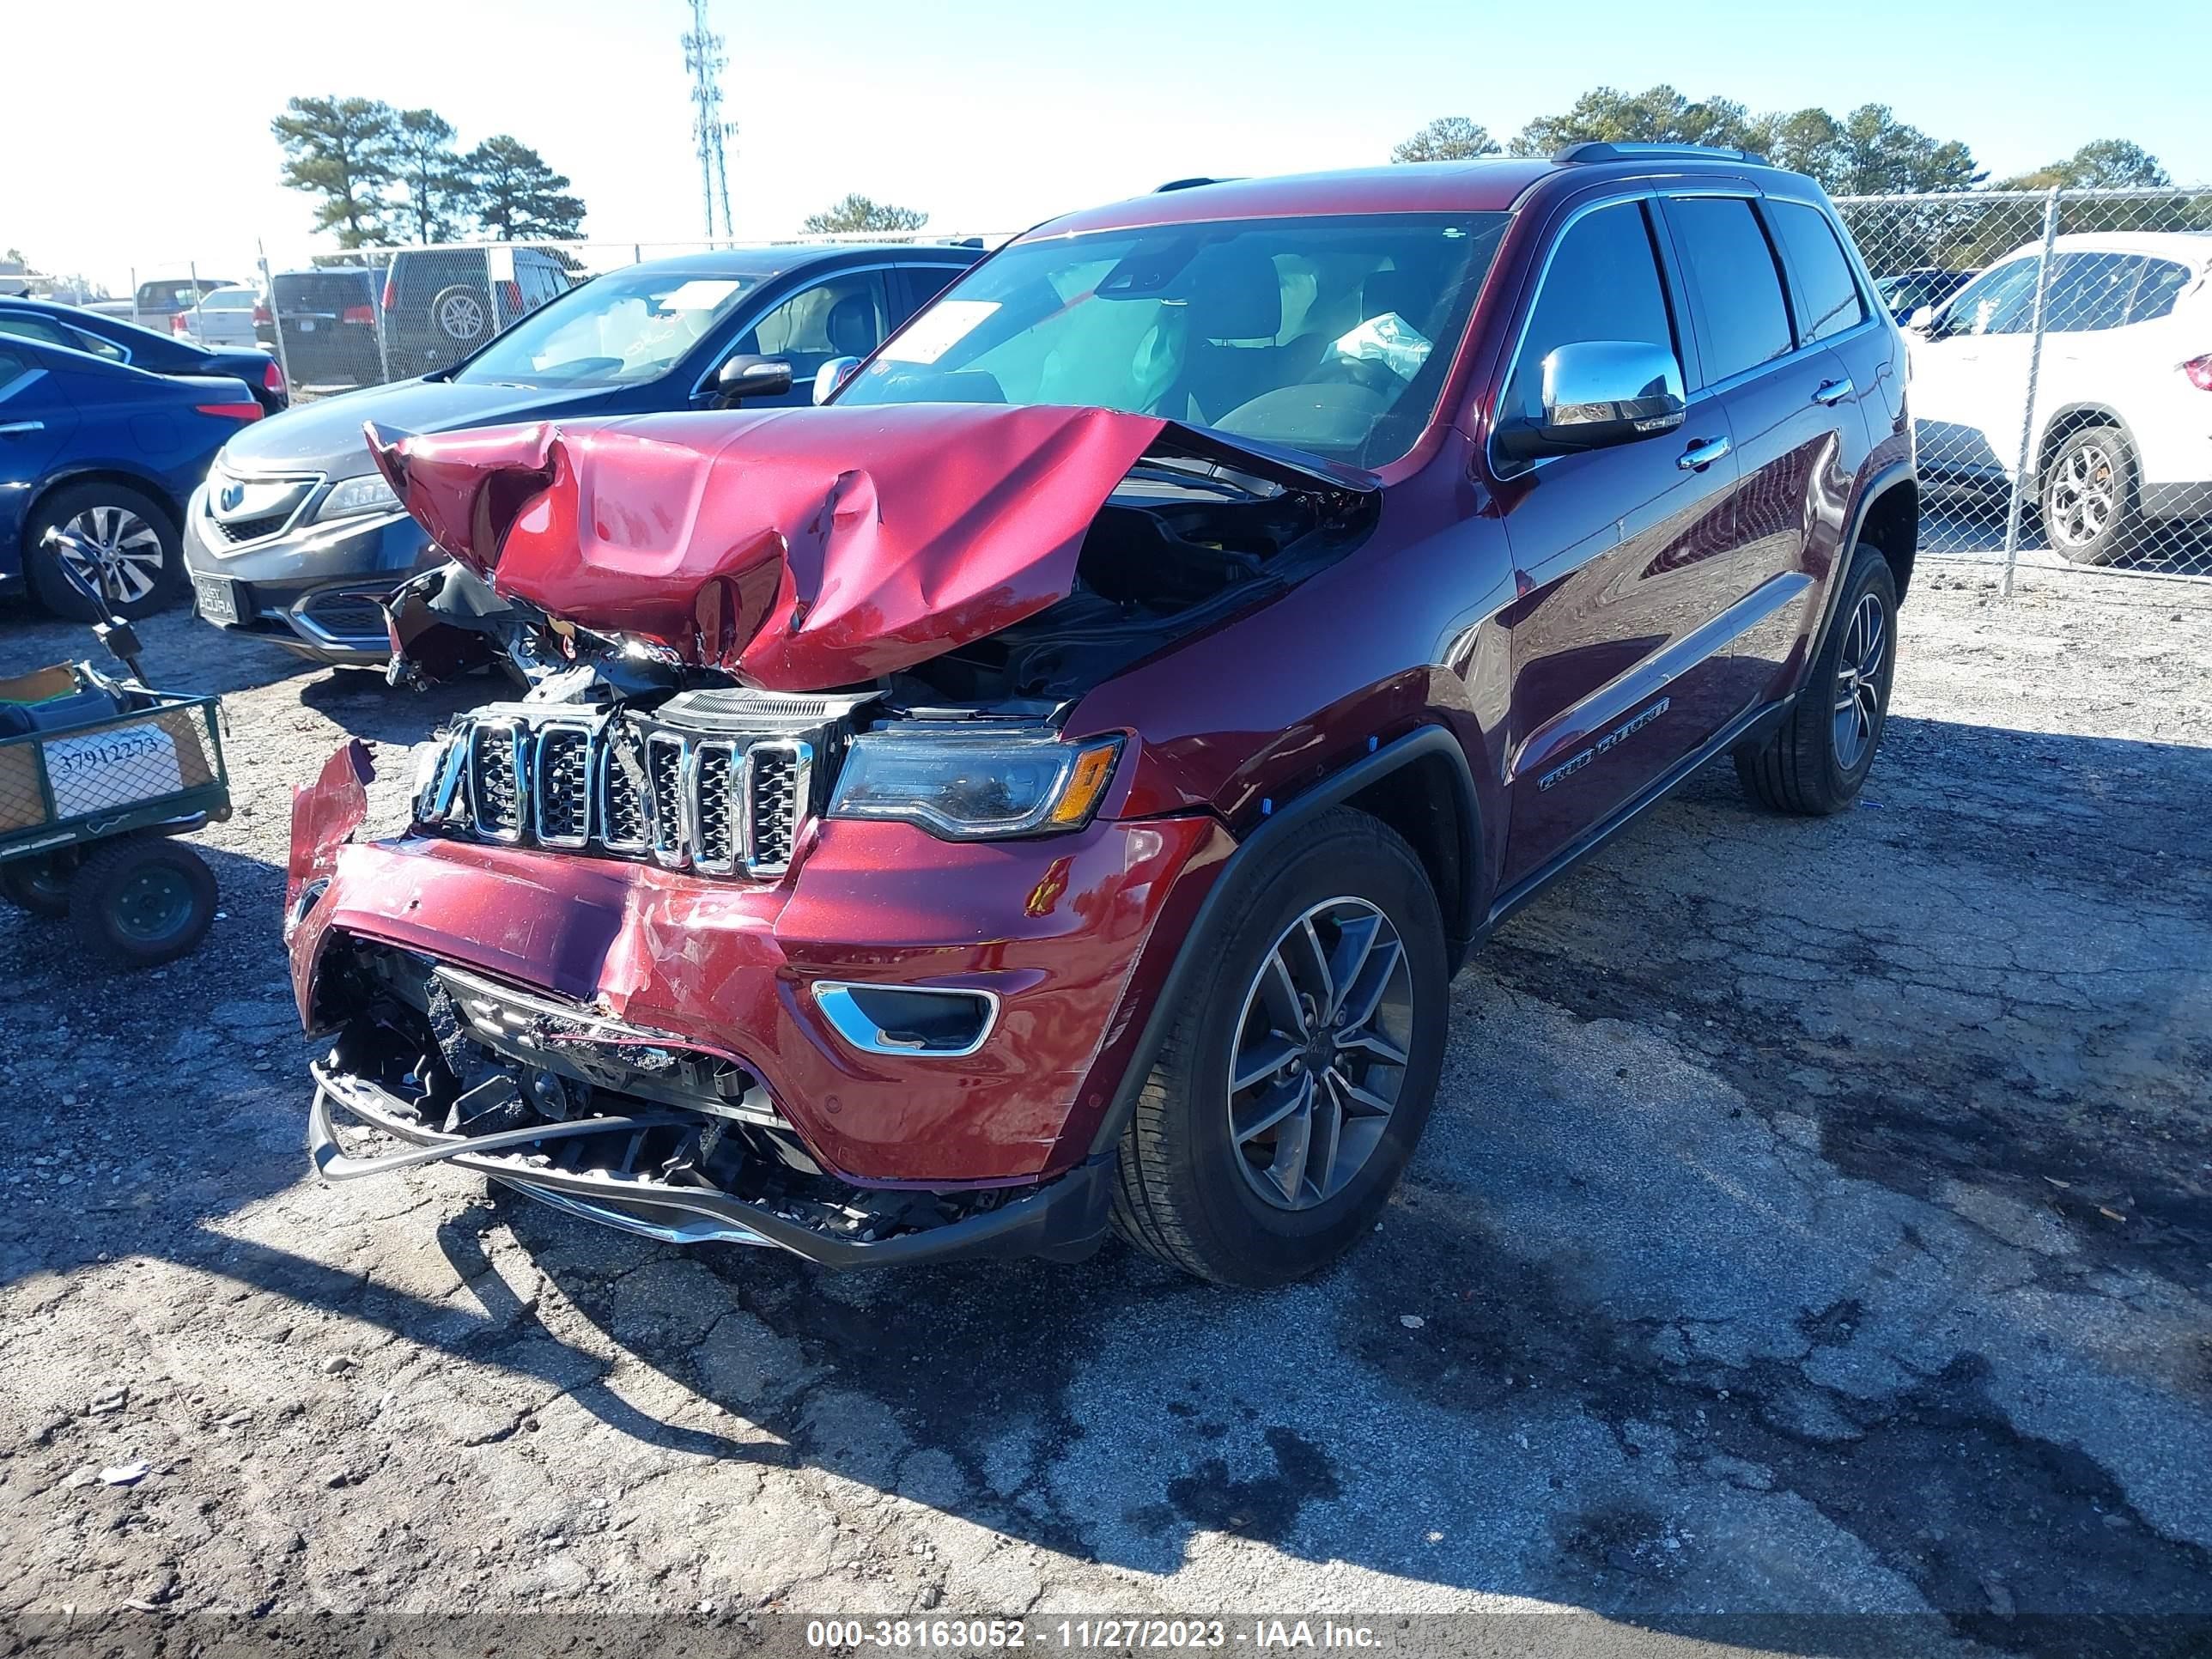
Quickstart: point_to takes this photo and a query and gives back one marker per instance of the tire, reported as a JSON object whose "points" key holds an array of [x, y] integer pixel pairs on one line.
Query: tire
{"points": [[1814, 763], [125, 536], [40, 885], [2088, 498], [462, 313], [142, 900], [1191, 1190]]}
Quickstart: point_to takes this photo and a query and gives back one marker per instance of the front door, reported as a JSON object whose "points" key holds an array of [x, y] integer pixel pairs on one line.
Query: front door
{"points": [[1970, 376], [1619, 556]]}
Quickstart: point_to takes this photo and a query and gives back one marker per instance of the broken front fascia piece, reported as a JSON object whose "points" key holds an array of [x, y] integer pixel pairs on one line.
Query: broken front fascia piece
{"points": [[798, 550]]}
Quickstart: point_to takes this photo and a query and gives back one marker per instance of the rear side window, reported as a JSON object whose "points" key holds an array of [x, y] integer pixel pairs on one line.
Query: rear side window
{"points": [[2161, 285], [2090, 292], [33, 328], [1826, 293], [1603, 284], [1734, 286], [914, 287]]}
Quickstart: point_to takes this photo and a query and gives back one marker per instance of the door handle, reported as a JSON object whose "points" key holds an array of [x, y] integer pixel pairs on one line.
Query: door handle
{"points": [[18, 429], [1702, 453], [1832, 393]]}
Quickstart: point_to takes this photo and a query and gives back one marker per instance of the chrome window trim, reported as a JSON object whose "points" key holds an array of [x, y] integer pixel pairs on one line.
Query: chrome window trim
{"points": [[834, 997], [1717, 388]]}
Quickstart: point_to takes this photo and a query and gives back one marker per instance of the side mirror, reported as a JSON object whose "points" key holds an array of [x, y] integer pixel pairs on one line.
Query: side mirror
{"points": [[746, 375], [831, 375], [1920, 319], [1600, 392]]}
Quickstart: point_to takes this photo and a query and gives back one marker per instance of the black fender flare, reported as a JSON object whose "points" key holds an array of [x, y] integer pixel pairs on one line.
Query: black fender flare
{"points": [[1279, 827], [1891, 477]]}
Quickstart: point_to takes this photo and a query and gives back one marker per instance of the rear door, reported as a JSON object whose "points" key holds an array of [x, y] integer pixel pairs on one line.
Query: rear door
{"points": [[1792, 346], [37, 418], [1622, 558]]}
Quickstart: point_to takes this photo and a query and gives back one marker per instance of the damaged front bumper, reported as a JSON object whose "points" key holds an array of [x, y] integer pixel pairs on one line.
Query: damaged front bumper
{"points": [[900, 1049], [1064, 1219]]}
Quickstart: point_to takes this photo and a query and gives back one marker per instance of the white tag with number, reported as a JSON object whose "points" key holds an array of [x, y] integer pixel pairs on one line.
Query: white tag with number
{"points": [[102, 770]]}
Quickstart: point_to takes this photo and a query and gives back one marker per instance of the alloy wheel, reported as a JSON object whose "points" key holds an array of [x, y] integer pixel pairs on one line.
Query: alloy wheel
{"points": [[1319, 1054], [2084, 497], [461, 317], [1859, 681], [114, 549]]}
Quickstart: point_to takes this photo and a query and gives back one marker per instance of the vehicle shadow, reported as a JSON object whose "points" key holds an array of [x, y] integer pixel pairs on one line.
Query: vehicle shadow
{"points": [[1755, 1257]]}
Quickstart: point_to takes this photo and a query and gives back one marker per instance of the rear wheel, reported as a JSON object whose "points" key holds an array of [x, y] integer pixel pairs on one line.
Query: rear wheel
{"points": [[40, 884], [1818, 759], [141, 900], [2088, 496], [1287, 1098], [115, 539]]}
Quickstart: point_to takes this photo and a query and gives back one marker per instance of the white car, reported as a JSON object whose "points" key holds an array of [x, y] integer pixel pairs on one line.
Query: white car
{"points": [[223, 318], [2121, 444]]}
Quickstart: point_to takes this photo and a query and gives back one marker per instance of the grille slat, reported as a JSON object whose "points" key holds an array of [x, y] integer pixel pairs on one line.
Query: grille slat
{"points": [[717, 805]]}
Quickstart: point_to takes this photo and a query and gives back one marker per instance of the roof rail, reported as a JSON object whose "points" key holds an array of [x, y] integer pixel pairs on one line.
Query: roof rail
{"points": [[1188, 184], [1595, 150]]}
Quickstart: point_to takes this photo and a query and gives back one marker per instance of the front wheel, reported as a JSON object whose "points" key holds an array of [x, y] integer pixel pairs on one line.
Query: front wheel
{"points": [[1287, 1098], [1816, 762], [141, 900]]}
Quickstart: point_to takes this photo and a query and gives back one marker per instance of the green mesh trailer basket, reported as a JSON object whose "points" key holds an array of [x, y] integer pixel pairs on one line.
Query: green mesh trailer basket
{"points": [[109, 776]]}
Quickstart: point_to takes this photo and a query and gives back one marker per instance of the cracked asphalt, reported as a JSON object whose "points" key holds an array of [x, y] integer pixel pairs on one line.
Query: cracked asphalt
{"points": [[1810, 1253]]}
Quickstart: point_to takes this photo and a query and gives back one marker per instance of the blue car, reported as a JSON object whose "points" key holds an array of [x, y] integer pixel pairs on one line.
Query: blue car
{"points": [[297, 536], [107, 454], [44, 322]]}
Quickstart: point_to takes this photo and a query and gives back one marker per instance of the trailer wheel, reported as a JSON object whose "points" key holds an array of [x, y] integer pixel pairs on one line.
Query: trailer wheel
{"points": [[142, 900], [40, 885]]}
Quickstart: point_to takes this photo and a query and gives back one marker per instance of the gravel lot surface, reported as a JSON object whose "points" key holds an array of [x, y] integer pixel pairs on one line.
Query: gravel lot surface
{"points": [[1813, 1227]]}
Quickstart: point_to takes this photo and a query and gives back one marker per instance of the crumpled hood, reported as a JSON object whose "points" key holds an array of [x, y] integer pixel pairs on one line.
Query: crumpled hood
{"points": [[797, 548]]}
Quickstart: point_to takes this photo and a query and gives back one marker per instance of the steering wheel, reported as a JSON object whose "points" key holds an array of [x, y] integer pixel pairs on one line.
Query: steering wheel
{"points": [[1363, 372]]}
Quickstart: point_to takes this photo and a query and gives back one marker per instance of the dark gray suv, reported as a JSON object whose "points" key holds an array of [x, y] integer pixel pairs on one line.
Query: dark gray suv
{"points": [[295, 535]]}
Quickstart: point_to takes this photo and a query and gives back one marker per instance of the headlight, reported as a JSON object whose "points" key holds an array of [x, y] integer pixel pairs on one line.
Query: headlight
{"points": [[975, 785], [366, 494]]}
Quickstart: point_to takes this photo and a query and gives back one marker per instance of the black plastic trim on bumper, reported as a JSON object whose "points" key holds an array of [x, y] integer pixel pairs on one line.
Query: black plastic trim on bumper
{"points": [[1064, 1220]]}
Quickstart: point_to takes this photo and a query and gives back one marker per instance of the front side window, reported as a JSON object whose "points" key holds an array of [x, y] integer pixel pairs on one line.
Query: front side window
{"points": [[2090, 291], [2001, 301], [1603, 284], [833, 319], [1742, 320], [1332, 334], [625, 328], [1827, 294]]}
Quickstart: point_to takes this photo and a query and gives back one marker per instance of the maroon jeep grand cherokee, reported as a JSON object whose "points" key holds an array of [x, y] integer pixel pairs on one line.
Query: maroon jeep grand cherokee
{"points": [[1052, 786]]}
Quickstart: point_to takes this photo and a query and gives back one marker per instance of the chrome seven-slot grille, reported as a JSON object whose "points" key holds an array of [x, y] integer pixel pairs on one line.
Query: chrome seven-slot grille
{"points": [[717, 805]]}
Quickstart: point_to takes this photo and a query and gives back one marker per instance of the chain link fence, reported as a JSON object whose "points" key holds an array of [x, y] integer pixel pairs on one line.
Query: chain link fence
{"points": [[2061, 345]]}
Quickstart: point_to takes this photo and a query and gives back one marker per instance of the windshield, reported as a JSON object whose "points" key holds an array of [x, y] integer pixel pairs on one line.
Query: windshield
{"points": [[617, 329], [1333, 335]]}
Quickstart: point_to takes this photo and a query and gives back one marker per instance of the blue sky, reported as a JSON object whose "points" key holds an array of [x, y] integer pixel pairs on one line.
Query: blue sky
{"points": [[987, 113]]}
